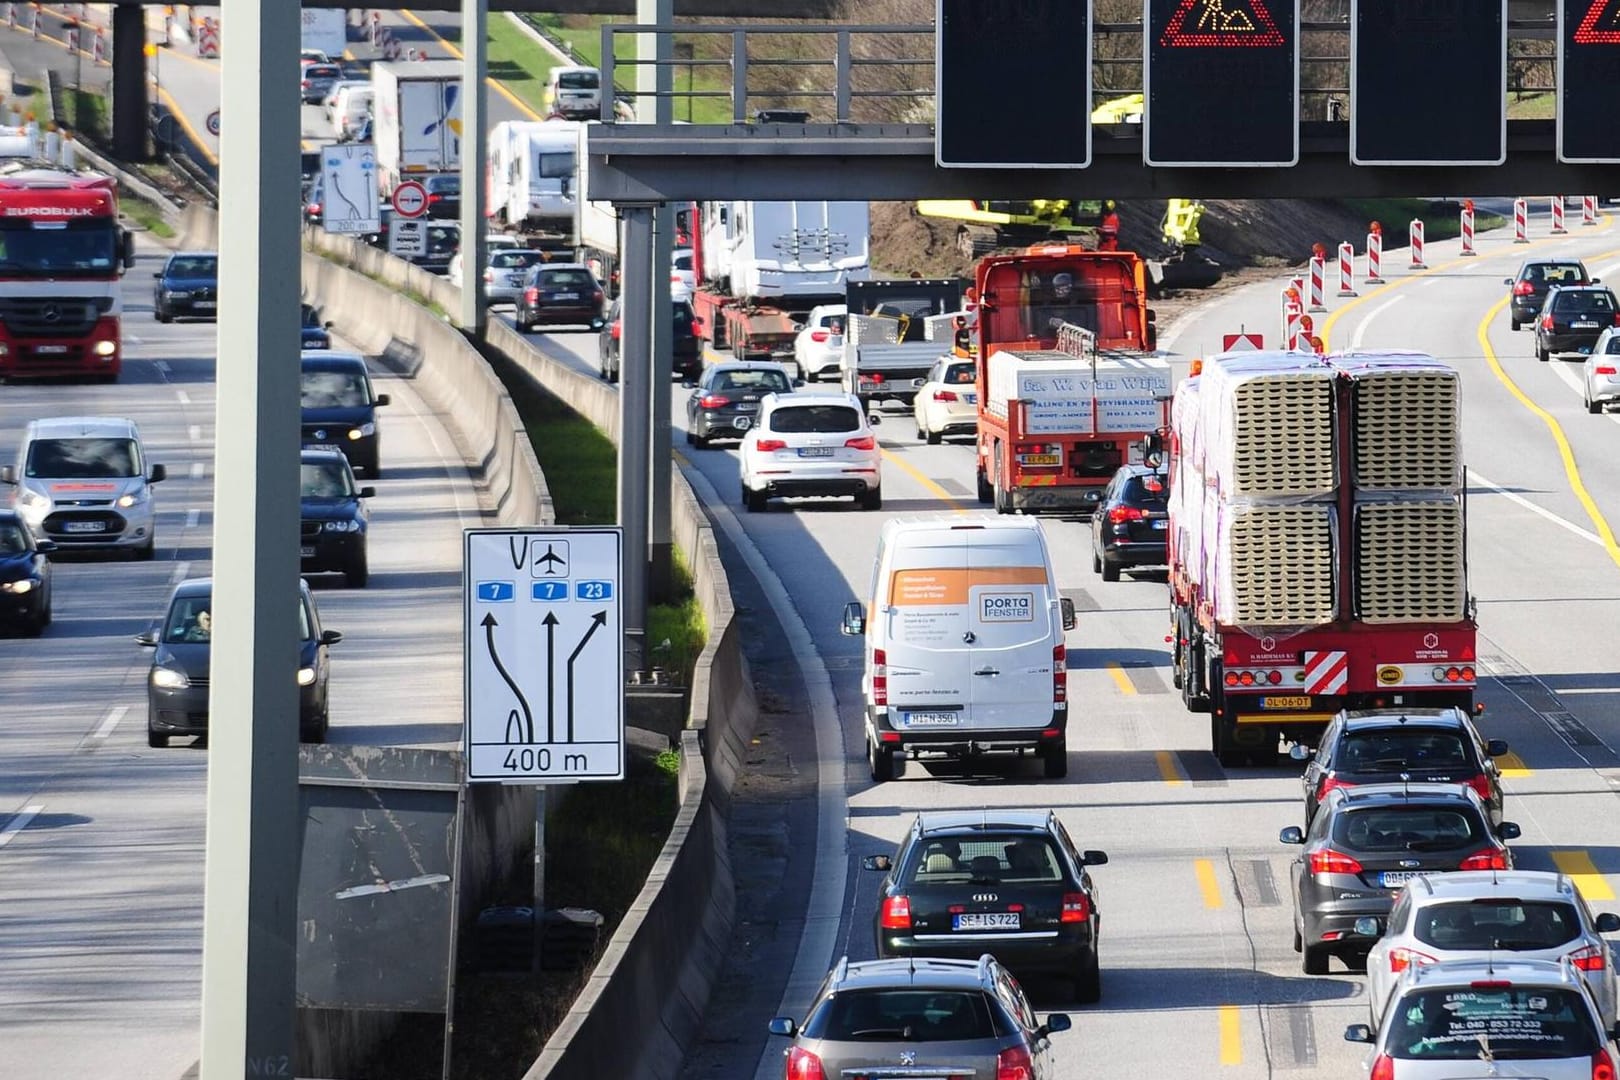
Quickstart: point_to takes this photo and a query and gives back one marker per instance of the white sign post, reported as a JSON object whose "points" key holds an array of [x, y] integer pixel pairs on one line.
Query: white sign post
{"points": [[544, 655], [349, 188]]}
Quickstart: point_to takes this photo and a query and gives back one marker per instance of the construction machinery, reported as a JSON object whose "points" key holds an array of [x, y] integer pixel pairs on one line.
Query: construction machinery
{"points": [[985, 225], [1185, 267]]}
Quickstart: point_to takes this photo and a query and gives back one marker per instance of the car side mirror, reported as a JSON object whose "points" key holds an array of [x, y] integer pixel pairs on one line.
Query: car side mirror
{"points": [[1094, 858], [854, 622], [784, 1026], [147, 639], [158, 275], [798, 381], [1496, 747], [876, 862], [1293, 834], [1358, 1033], [1507, 281], [1300, 752], [688, 384], [44, 547], [1509, 830], [875, 420], [328, 324], [1597, 281], [1367, 926], [382, 399], [1055, 1022], [368, 492], [160, 473], [1607, 923], [8, 474], [331, 637], [1066, 609]]}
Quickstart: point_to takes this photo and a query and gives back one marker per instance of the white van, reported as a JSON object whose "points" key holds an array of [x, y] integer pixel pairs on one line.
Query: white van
{"points": [[964, 642], [350, 107], [574, 92]]}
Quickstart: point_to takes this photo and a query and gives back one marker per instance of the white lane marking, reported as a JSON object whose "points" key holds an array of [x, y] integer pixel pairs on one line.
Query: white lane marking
{"points": [[114, 714], [191, 517], [1515, 497], [180, 571], [197, 470], [1566, 372], [390, 886], [162, 365], [185, 398], [19, 821], [1562, 690], [1426, 282], [194, 432], [1361, 330]]}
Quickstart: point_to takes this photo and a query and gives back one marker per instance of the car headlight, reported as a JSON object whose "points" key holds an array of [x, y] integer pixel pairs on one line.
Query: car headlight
{"points": [[342, 526], [362, 431], [29, 499], [106, 348], [134, 498], [179, 294], [167, 678], [26, 585], [306, 676]]}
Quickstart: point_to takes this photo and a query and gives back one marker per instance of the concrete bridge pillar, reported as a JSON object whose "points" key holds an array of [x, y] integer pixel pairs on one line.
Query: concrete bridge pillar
{"points": [[129, 104]]}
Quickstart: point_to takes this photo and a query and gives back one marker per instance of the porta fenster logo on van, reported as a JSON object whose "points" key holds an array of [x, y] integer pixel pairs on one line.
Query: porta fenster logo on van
{"points": [[1007, 607]]}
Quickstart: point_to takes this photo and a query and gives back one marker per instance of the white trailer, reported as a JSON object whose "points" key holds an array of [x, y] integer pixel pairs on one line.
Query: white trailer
{"points": [[326, 29], [785, 250], [416, 108]]}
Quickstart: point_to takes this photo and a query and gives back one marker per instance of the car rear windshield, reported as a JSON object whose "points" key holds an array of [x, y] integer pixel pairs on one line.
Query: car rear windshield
{"points": [[1583, 300], [1395, 749], [193, 266], [763, 381], [959, 374], [82, 459], [683, 261], [1407, 828], [1148, 492], [515, 260], [902, 1015], [324, 480], [333, 390], [565, 279], [1497, 924], [1507, 1023], [579, 80], [984, 860], [322, 71], [448, 184], [819, 419], [1556, 274]]}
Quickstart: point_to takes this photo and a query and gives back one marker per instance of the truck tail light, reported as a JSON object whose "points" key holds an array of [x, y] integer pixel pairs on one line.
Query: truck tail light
{"points": [[803, 1065], [1060, 673], [1076, 908], [1589, 958], [768, 445], [945, 395], [708, 401], [862, 442], [1401, 959], [1617, 318], [1120, 514], [1328, 861], [1454, 674], [880, 677], [1523, 288], [897, 913], [1014, 1063], [1492, 858]]}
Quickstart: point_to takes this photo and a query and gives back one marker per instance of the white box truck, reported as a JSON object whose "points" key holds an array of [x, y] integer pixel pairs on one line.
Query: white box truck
{"points": [[326, 29], [416, 110]]}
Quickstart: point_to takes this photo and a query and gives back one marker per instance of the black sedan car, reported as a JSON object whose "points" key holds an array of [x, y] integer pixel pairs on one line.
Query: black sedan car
{"points": [[340, 408], [333, 518], [1573, 318], [1366, 842], [1011, 884], [188, 285], [687, 351], [177, 685], [560, 293], [25, 576], [313, 331], [1129, 526], [443, 195], [1380, 746], [1536, 277], [725, 403]]}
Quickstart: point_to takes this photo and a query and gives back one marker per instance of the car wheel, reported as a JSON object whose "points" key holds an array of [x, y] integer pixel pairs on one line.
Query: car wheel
{"points": [[315, 733], [358, 573], [753, 501], [1299, 940], [156, 741], [879, 762], [935, 438], [921, 434], [1096, 562], [691, 440], [1314, 960], [985, 492], [36, 625], [1110, 570], [1056, 759], [701, 441], [164, 315], [1088, 983], [1542, 354], [872, 499], [1594, 407], [147, 553], [1514, 324]]}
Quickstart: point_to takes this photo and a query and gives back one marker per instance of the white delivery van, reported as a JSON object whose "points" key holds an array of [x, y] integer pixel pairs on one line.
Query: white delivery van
{"points": [[574, 92], [964, 637]]}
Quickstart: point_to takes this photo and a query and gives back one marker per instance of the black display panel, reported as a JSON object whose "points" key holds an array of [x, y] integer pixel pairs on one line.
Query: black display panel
{"points": [[1221, 82], [1589, 81], [1428, 82], [1012, 83]]}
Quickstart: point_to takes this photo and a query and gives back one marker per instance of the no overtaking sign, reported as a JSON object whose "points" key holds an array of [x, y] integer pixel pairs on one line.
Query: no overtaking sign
{"points": [[410, 199]]}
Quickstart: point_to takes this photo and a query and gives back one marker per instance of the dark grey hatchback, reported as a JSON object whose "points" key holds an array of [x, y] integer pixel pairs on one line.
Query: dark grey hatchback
{"points": [[724, 403]]}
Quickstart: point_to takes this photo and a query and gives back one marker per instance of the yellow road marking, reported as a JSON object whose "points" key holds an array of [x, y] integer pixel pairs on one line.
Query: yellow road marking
{"points": [[1168, 769], [1579, 866], [1572, 471], [495, 85], [1121, 680], [1207, 884], [185, 125], [1511, 765], [922, 478], [1231, 1035]]}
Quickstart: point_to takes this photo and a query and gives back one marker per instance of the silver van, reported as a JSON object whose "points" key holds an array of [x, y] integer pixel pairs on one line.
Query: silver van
{"points": [[84, 483]]}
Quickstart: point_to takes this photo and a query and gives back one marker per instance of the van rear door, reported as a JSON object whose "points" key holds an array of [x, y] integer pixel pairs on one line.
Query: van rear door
{"points": [[1010, 620], [925, 613]]}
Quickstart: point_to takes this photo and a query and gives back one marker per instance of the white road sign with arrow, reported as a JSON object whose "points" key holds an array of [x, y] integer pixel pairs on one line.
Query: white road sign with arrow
{"points": [[349, 188], [544, 655]]}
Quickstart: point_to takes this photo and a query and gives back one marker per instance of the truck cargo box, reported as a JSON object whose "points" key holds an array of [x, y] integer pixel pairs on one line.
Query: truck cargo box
{"points": [[1062, 395]]}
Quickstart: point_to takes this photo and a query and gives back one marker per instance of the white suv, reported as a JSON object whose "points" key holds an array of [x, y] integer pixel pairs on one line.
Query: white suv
{"points": [[811, 445]]}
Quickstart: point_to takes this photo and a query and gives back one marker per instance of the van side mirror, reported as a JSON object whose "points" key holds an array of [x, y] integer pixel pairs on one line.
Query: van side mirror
{"points": [[8, 474], [1066, 606], [854, 622], [382, 399], [1496, 747], [160, 473]]}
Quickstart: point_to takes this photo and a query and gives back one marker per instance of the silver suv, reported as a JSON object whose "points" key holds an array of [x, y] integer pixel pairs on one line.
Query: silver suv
{"points": [[917, 1017], [83, 482]]}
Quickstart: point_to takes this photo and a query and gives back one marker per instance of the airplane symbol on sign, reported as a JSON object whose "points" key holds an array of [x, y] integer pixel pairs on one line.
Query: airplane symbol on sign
{"points": [[551, 560]]}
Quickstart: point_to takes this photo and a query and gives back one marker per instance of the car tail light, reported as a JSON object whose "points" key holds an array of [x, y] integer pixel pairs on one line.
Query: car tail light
{"points": [[1546, 322], [1060, 673], [1401, 959], [1604, 369], [818, 336], [434, 197], [489, 275], [1328, 861], [897, 913], [1590, 958], [1482, 785], [1076, 908], [314, 207], [875, 377], [531, 295], [697, 324], [1602, 1066], [1523, 288], [1617, 318], [880, 677], [1328, 784], [1014, 1063], [803, 1065], [862, 442], [710, 401], [613, 331], [1118, 514], [1490, 984], [1383, 1068], [770, 444], [1490, 859], [945, 395]]}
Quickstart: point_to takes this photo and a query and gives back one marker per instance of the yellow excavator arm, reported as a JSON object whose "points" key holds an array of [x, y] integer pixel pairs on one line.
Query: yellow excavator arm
{"points": [[1180, 224]]}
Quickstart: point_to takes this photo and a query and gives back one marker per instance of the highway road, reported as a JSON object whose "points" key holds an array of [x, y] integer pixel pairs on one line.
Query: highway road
{"points": [[101, 838]]}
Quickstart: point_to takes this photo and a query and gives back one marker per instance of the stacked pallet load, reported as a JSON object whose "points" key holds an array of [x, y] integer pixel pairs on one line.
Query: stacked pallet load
{"points": [[1407, 472], [1261, 453]]}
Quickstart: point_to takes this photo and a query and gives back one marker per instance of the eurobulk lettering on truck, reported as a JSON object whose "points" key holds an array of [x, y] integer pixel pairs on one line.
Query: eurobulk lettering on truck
{"points": [[62, 252]]}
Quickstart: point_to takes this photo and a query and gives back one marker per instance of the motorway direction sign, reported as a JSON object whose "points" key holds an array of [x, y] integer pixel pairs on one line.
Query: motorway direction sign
{"points": [[1220, 82], [1428, 82], [1588, 81], [1012, 84], [408, 238], [349, 186], [544, 655], [410, 199]]}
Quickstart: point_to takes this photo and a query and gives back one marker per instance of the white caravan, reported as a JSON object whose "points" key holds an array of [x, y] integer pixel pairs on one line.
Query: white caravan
{"points": [[769, 250]]}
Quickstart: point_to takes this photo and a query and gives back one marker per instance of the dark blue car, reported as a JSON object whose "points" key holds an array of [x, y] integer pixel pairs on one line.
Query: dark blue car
{"points": [[332, 518], [313, 332], [340, 408], [188, 285], [25, 576]]}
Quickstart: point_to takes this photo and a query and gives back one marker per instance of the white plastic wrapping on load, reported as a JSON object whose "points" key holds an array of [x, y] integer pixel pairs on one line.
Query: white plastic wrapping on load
{"points": [[1063, 395], [1407, 432], [1409, 563], [872, 330], [1267, 424], [1274, 564], [943, 327]]}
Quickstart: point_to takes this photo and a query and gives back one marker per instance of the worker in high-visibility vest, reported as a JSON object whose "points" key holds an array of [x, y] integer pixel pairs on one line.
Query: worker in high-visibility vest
{"points": [[1108, 228]]}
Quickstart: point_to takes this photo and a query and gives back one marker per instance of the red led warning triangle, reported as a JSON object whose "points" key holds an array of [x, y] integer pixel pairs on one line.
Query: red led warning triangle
{"points": [[1229, 24], [1589, 32]]}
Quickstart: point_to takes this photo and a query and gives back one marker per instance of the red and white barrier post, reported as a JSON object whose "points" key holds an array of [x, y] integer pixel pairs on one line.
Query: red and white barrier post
{"points": [[1318, 282], [1558, 216], [1521, 221], [73, 37], [98, 53], [1290, 316], [1375, 254], [11, 16], [1347, 269], [1304, 335], [1466, 223], [34, 21], [1414, 240], [376, 28], [1588, 209]]}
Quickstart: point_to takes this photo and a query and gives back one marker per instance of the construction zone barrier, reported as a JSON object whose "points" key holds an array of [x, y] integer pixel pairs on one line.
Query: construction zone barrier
{"points": [[33, 20], [1304, 335], [98, 48], [1292, 311], [208, 38], [1318, 282], [1557, 204], [1588, 209], [11, 16], [1521, 221], [1347, 269], [73, 36], [1466, 226], [1375, 254], [1414, 240], [383, 39]]}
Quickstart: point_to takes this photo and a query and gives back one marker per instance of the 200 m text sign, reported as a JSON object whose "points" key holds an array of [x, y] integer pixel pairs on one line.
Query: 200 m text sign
{"points": [[544, 655]]}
